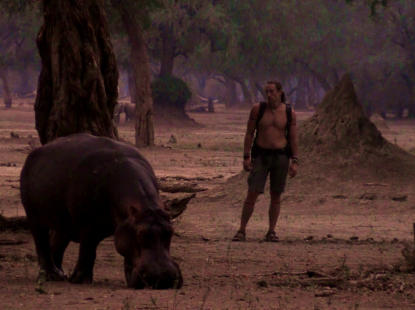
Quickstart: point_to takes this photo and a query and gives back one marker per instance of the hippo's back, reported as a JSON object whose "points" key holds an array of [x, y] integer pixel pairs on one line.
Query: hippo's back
{"points": [[52, 172]]}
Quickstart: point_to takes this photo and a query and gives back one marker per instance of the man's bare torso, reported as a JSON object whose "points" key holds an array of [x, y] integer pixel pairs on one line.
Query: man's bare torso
{"points": [[271, 128]]}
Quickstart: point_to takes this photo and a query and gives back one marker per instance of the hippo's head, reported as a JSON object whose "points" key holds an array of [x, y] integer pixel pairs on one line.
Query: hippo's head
{"points": [[144, 241]]}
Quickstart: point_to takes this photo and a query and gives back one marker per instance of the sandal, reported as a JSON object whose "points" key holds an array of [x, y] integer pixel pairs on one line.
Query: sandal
{"points": [[271, 236], [239, 236]]}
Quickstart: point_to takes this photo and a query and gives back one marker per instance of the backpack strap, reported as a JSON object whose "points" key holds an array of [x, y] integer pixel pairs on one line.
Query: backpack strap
{"points": [[261, 111]]}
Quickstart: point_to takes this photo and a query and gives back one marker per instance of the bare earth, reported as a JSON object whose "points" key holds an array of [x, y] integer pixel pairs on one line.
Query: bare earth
{"points": [[340, 246]]}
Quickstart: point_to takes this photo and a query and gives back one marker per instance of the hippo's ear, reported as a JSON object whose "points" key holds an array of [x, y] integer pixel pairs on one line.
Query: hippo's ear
{"points": [[175, 207], [124, 239]]}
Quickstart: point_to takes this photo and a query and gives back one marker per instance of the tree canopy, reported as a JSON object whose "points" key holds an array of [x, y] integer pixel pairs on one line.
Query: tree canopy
{"points": [[306, 44]]}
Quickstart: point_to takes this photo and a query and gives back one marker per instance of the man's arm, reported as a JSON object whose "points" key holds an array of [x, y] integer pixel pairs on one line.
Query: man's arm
{"points": [[250, 130]]}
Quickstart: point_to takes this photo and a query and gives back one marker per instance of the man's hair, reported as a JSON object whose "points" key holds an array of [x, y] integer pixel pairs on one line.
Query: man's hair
{"points": [[278, 86]]}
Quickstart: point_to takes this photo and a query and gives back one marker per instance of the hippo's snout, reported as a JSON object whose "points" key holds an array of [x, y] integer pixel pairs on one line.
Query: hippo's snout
{"points": [[156, 276]]}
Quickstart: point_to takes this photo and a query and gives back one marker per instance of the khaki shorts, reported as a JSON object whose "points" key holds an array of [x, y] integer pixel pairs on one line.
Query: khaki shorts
{"points": [[276, 165]]}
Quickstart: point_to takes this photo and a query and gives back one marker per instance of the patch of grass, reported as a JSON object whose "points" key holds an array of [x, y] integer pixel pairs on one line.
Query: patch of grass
{"points": [[204, 298], [126, 304], [343, 270], [153, 301], [175, 300], [223, 147], [40, 281], [228, 147]]}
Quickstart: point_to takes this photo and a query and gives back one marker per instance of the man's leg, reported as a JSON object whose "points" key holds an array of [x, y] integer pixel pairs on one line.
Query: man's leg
{"points": [[256, 185], [248, 209], [274, 210], [278, 176]]}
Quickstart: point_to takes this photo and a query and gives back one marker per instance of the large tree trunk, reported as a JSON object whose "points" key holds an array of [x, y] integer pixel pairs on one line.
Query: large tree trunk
{"points": [[131, 83], [168, 50], [254, 91], [247, 94], [245, 91], [336, 77], [411, 111], [6, 90], [24, 86], [140, 72], [260, 89], [312, 88], [410, 85], [317, 75], [411, 104], [77, 88], [231, 95], [201, 83], [300, 99]]}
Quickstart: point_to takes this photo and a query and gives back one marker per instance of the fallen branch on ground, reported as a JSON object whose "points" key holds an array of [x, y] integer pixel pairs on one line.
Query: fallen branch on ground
{"points": [[13, 223], [11, 242], [180, 188]]}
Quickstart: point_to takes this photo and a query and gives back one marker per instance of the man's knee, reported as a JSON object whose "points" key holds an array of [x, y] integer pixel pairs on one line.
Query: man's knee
{"points": [[251, 198], [275, 198]]}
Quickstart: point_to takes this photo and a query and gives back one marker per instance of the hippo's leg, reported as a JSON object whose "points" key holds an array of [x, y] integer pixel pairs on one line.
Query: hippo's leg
{"points": [[58, 243], [87, 252], [47, 268]]}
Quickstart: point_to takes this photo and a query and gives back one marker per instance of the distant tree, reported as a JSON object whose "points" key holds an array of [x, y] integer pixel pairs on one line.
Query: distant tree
{"points": [[243, 45], [170, 97], [17, 48], [306, 44], [180, 26], [389, 73], [401, 17], [7, 46], [373, 4], [27, 57]]}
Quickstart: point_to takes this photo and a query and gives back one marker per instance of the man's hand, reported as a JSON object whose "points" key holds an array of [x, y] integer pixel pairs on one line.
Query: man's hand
{"points": [[247, 164], [292, 170]]}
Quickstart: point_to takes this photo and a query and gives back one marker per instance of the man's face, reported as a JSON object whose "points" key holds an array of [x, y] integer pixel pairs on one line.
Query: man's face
{"points": [[273, 95]]}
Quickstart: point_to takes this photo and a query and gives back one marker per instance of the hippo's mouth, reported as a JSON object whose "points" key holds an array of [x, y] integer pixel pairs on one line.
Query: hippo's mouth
{"points": [[164, 278]]}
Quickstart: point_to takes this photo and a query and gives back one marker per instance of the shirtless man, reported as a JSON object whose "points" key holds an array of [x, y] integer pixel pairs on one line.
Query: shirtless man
{"points": [[272, 157]]}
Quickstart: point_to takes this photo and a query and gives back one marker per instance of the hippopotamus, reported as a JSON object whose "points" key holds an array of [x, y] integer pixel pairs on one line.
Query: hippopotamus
{"points": [[124, 107], [84, 188], [118, 109], [129, 110]]}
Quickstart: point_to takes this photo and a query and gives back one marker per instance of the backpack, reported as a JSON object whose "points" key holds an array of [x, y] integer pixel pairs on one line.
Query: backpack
{"points": [[261, 111]]}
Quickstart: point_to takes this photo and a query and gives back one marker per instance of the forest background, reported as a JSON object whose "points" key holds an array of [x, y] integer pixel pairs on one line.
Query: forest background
{"points": [[227, 50]]}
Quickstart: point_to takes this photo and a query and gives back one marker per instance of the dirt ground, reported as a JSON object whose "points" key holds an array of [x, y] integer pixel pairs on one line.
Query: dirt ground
{"points": [[341, 234]]}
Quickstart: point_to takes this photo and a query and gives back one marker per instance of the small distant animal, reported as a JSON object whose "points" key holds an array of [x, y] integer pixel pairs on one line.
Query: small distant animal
{"points": [[84, 188], [124, 107], [129, 110]]}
